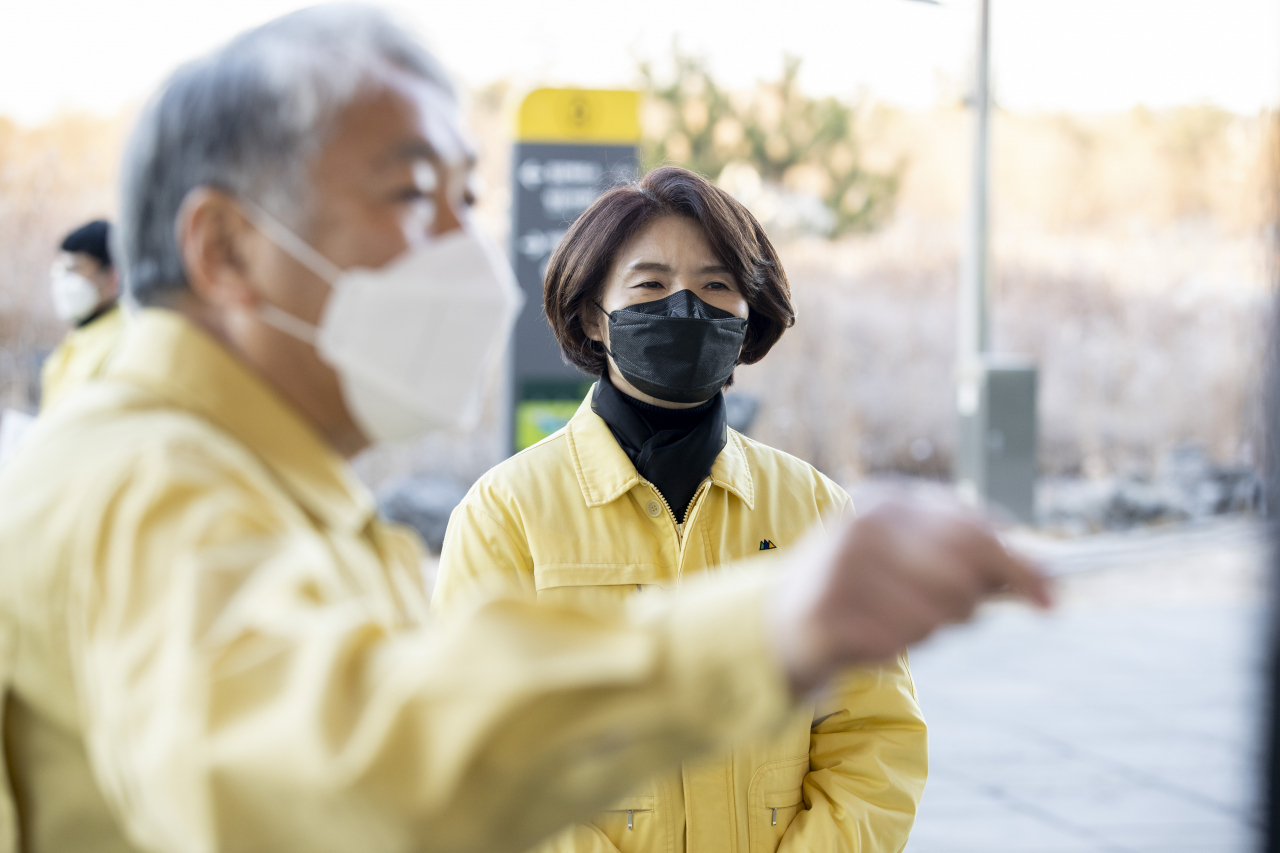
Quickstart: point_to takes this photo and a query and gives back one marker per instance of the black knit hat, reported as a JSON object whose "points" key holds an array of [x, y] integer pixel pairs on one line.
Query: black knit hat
{"points": [[90, 239]]}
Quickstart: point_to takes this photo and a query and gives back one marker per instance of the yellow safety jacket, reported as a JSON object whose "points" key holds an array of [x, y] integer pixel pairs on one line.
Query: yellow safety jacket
{"points": [[570, 522], [82, 355], [208, 642]]}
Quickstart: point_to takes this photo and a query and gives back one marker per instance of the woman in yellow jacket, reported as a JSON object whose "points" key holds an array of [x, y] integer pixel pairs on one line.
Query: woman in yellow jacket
{"points": [[660, 289]]}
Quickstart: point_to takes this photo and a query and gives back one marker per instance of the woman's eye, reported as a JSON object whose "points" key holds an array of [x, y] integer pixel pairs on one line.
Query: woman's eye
{"points": [[651, 284], [717, 285]]}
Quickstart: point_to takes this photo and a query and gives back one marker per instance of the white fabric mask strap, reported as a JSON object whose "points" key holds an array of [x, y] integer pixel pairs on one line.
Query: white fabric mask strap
{"points": [[287, 323], [293, 245], [302, 252]]}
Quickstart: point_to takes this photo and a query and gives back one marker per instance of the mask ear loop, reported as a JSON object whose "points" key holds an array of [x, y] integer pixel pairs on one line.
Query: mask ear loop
{"points": [[293, 245], [302, 252], [287, 323], [602, 343]]}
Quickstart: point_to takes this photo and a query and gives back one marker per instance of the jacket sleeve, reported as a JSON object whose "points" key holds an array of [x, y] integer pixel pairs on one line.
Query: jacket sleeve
{"points": [[483, 556], [834, 504], [868, 761], [238, 692]]}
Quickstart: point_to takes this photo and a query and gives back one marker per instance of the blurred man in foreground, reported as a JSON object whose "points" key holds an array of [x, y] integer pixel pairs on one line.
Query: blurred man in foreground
{"points": [[85, 288], [207, 640]]}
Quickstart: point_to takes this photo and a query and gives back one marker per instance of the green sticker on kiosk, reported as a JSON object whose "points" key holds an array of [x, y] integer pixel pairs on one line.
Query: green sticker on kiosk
{"points": [[544, 408]]}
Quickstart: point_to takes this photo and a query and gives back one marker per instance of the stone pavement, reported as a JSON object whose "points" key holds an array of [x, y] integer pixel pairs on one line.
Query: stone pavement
{"points": [[1124, 721]]}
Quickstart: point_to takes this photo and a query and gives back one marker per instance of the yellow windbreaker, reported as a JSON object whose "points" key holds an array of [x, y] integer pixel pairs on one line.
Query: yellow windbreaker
{"points": [[570, 521], [209, 643], [82, 355]]}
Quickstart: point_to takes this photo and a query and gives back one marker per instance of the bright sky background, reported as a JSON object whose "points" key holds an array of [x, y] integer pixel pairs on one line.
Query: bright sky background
{"points": [[1083, 55]]}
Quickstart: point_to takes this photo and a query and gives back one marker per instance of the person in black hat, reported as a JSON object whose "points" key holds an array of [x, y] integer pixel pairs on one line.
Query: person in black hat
{"points": [[85, 289]]}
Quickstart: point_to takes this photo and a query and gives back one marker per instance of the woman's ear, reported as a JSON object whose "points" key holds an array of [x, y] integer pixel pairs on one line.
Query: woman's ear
{"points": [[593, 322]]}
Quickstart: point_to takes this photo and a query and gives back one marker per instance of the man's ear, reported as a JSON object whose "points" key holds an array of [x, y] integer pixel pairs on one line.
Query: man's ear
{"points": [[213, 239]]}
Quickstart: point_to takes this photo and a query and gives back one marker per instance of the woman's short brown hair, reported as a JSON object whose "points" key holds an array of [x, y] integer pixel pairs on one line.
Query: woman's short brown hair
{"points": [[578, 267]]}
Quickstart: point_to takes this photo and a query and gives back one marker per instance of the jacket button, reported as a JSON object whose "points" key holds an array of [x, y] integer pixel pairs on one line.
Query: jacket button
{"points": [[654, 508]]}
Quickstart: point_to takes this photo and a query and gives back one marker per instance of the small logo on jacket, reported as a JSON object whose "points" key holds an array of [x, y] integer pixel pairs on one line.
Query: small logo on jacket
{"points": [[767, 545]]}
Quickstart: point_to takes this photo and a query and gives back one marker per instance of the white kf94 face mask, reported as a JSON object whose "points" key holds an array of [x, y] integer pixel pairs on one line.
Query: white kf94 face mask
{"points": [[415, 343], [74, 296]]}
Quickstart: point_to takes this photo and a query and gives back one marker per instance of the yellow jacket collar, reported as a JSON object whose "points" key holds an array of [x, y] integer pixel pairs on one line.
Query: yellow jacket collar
{"points": [[170, 356], [605, 473]]}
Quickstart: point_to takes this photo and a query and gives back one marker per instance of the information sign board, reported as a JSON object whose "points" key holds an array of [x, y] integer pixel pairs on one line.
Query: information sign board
{"points": [[572, 145]]}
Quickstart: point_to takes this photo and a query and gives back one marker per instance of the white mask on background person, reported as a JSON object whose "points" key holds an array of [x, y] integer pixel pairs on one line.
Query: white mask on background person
{"points": [[74, 296], [416, 342]]}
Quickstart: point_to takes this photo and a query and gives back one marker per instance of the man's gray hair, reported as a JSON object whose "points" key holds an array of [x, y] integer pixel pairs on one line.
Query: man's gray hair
{"points": [[248, 119]]}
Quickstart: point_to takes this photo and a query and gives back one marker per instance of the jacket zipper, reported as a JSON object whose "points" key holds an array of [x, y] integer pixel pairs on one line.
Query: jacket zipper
{"points": [[688, 518], [694, 503], [689, 511], [631, 815], [671, 515]]}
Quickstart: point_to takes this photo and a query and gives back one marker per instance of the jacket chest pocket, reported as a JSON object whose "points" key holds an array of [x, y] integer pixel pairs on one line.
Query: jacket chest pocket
{"points": [[605, 602], [601, 590], [775, 798], [632, 824]]}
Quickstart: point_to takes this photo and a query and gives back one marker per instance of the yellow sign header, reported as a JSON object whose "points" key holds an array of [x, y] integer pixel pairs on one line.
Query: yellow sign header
{"points": [[599, 116]]}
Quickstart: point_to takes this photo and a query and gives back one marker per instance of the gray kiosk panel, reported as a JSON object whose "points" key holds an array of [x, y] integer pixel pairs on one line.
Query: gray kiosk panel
{"points": [[996, 459], [553, 184]]}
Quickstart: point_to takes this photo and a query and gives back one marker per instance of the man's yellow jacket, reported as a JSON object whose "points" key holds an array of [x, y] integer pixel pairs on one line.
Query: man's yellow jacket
{"points": [[570, 521], [209, 643]]}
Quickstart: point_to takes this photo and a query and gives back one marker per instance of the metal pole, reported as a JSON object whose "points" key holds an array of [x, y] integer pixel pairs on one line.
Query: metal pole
{"points": [[974, 335], [971, 468]]}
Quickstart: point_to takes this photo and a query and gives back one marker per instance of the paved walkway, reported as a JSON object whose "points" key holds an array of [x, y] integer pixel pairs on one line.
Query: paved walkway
{"points": [[1123, 722]]}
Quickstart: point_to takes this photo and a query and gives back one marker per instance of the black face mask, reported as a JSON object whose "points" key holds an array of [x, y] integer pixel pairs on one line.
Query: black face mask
{"points": [[678, 349]]}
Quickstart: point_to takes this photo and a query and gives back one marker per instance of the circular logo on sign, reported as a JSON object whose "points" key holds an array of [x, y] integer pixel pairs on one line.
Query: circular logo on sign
{"points": [[580, 112]]}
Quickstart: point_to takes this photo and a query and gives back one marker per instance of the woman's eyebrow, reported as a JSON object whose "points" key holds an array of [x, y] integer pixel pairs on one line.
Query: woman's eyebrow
{"points": [[649, 266], [657, 266]]}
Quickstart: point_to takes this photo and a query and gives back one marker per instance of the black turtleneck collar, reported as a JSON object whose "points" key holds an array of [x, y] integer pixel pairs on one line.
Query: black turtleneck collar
{"points": [[672, 448]]}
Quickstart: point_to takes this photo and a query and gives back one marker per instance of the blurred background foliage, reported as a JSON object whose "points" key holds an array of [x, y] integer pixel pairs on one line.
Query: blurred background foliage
{"points": [[1130, 258], [793, 159]]}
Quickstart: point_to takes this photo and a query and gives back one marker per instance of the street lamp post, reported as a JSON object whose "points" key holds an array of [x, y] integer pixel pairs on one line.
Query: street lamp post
{"points": [[995, 461], [995, 394], [974, 335]]}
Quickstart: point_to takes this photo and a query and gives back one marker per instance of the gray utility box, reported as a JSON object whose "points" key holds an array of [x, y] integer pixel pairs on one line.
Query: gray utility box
{"points": [[996, 458]]}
